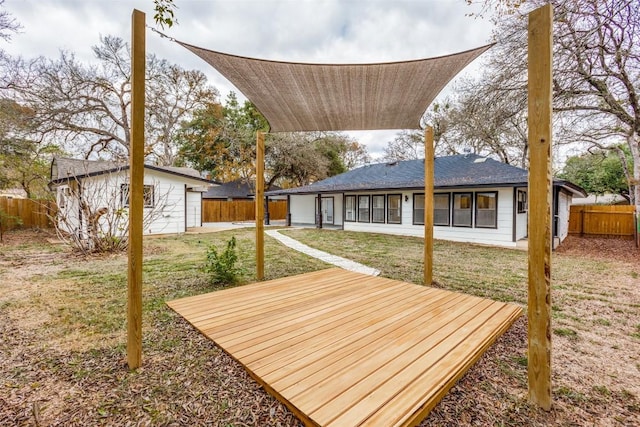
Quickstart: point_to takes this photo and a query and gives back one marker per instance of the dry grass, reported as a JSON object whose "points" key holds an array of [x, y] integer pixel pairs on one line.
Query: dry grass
{"points": [[62, 334]]}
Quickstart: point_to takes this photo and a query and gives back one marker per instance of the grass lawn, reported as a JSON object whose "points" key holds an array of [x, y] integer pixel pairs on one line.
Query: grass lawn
{"points": [[63, 333]]}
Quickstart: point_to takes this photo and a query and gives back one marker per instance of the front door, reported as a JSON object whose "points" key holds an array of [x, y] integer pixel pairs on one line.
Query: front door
{"points": [[327, 210]]}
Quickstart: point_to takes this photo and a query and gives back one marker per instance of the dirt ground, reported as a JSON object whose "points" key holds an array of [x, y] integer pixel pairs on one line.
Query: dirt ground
{"points": [[600, 248], [50, 376]]}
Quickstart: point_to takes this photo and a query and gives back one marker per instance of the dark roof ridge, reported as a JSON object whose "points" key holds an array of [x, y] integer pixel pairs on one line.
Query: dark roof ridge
{"points": [[64, 168]]}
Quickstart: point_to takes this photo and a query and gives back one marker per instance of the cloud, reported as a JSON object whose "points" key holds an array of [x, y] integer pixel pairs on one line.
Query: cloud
{"points": [[296, 30]]}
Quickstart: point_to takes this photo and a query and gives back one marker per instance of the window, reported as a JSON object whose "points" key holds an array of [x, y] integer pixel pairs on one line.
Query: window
{"points": [[377, 211], [462, 209], [350, 208], [522, 201], [363, 209], [418, 209], [147, 195], [486, 210], [441, 209], [394, 209]]}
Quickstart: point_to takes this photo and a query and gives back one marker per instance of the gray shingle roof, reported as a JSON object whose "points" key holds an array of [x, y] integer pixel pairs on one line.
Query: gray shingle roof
{"points": [[64, 168], [450, 171]]}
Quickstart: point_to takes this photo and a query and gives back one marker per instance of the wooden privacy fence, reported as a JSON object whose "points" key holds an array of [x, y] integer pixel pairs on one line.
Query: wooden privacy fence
{"points": [[603, 221], [239, 210], [26, 213]]}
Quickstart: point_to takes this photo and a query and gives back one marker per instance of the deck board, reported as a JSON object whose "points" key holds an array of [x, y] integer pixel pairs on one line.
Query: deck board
{"points": [[346, 349]]}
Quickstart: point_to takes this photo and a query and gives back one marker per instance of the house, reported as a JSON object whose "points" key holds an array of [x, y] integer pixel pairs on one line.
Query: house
{"points": [[476, 199], [96, 193]]}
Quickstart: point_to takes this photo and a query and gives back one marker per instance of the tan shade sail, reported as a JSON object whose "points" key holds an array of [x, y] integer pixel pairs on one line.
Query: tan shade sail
{"points": [[323, 97]]}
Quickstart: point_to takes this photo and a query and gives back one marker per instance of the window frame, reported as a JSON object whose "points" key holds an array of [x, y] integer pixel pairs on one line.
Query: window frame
{"points": [[355, 208], [362, 196], [421, 220], [449, 220], [495, 196], [453, 209], [399, 195], [146, 190], [384, 206], [522, 201]]}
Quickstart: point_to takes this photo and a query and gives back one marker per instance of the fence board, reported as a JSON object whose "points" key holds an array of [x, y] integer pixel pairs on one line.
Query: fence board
{"points": [[603, 221], [32, 213], [239, 210]]}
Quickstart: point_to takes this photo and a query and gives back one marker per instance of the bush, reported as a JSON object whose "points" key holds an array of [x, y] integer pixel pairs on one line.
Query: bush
{"points": [[222, 267]]}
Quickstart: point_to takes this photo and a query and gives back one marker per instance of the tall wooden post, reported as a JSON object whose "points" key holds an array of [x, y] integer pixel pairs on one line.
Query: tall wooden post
{"points": [[428, 205], [259, 205], [540, 200], [136, 184]]}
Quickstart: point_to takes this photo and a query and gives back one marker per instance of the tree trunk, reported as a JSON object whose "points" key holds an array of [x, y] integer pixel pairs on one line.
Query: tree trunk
{"points": [[634, 190]]}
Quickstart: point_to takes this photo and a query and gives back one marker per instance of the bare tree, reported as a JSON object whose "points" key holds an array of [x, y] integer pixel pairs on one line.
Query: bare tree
{"points": [[88, 106], [596, 68], [407, 145], [8, 24], [355, 155], [598, 64], [489, 122]]}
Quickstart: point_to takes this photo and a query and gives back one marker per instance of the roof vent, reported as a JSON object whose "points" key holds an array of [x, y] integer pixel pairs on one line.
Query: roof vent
{"points": [[394, 163], [480, 160]]}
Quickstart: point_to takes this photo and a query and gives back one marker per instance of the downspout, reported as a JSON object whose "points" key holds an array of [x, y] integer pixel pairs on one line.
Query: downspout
{"points": [[186, 208]]}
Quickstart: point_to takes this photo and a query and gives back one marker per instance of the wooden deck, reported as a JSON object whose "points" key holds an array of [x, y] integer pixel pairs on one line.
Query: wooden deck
{"points": [[345, 349]]}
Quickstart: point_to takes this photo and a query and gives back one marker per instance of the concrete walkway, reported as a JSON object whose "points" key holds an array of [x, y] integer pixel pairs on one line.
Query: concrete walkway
{"points": [[323, 256]]}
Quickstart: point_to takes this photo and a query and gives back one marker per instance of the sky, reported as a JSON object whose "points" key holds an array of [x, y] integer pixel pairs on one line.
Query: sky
{"points": [[333, 31]]}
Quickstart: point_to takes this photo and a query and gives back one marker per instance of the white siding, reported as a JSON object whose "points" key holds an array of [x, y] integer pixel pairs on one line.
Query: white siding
{"points": [[170, 197], [303, 209], [169, 201], [67, 207], [337, 208], [194, 209]]}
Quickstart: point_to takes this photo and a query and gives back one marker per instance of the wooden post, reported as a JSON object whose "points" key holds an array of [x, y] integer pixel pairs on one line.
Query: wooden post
{"points": [[319, 208], [259, 205], [540, 190], [428, 205], [136, 184]]}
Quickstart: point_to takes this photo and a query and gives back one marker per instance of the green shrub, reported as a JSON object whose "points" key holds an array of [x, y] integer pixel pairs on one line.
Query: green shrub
{"points": [[221, 268]]}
